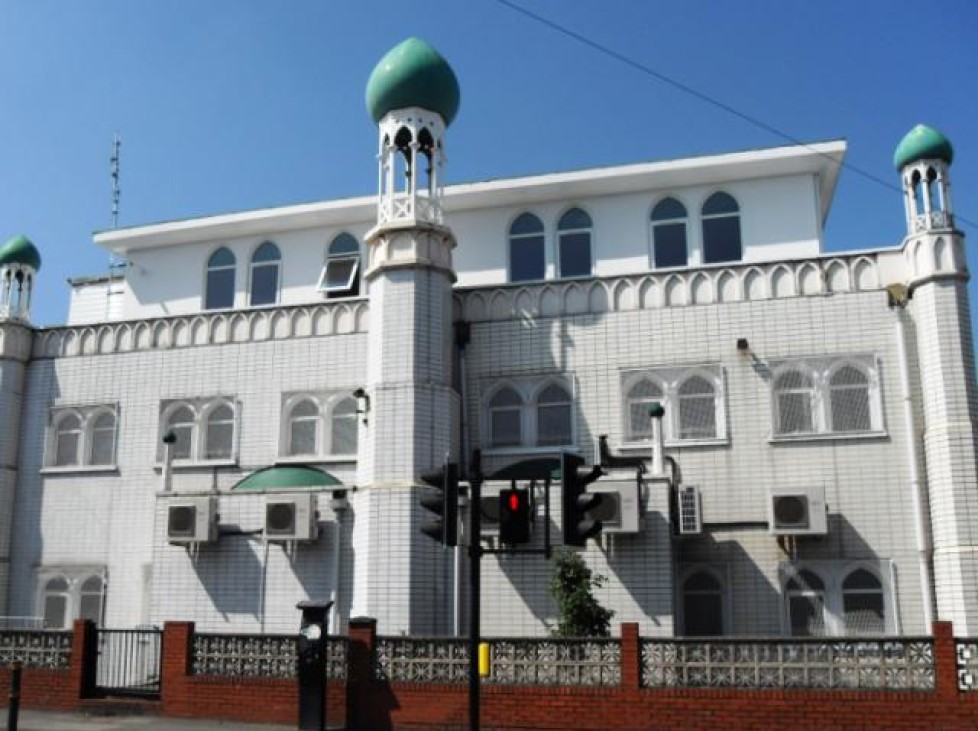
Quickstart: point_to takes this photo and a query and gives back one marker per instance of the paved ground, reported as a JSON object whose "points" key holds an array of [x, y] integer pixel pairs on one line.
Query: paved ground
{"points": [[43, 721]]}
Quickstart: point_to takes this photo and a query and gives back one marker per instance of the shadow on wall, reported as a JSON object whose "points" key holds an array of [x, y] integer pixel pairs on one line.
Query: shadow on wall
{"points": [[231, 572]]}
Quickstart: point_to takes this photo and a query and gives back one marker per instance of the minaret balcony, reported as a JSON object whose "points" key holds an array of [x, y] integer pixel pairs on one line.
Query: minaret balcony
{"points": [[932, 220], [408, 207]]}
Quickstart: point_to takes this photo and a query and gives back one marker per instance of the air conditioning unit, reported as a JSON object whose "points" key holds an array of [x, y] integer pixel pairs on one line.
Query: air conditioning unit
{"points": [[618, 511], [192, 520], [689, 517], [797, 511], [291, 517]]}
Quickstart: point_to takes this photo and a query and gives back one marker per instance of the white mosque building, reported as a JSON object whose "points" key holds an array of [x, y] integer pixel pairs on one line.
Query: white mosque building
{"points": [[306, 364]]}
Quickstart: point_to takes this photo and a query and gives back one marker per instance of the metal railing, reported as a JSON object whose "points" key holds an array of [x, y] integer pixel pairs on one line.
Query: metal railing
{"points": [[129, 661], [260, 656], [835, 664], [36, 648]]}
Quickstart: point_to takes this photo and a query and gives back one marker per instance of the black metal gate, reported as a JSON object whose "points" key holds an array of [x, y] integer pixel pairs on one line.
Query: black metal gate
{"points": [[129, 662]]}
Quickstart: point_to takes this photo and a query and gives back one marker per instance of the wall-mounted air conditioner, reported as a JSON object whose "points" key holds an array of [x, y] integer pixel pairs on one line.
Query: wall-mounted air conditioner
{"points": [[618, 510], [797, 511], [191, 520], [689, 515], [291, 517]]}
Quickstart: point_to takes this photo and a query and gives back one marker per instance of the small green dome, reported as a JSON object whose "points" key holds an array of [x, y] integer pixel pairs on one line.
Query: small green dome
{"points": [[20, 250], [922, 143], [413, 74], [292, 476]]}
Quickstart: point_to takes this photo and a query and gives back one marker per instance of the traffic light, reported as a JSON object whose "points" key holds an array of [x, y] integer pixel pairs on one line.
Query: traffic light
{"points": [[514, 516], [444, 527], [576, 501]]}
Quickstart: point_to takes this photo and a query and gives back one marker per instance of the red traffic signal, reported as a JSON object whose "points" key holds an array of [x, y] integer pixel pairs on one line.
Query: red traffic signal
{"points": [[514, 516]]}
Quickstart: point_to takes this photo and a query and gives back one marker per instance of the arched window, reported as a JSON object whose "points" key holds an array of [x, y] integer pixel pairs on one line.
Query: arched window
{"points": [[219, 293], [721, 229], [182, 423], [669, 234], [219, 442], [101, 450], [702, 605], [794, 395], [574, 243], [554, 416], [304, 428], [639, 399], [806, 604], [862, 604], [55, 602], [90, 599], [505, 418], [264, 274], [697, 409], [527, 260], [340, 276], [849, 400], [343, 434], [67, 439]]}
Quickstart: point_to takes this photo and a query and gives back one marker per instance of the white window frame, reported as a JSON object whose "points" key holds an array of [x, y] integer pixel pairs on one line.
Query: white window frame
{"points": [[833, 574], [656, 222], [528, 388], [820, 370], [518, 240], [721, 573], [204, 427], [559, 232], [288, 408], [252, 265], [87, 416], [201, 409], [326, 402], [334, 402], [345, 256], [75, 577], [208, 268], [670, 378]]}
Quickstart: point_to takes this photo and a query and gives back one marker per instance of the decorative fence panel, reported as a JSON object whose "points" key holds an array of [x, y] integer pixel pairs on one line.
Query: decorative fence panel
{"points": [[966, 657], [866, 664], [260, 656], [36, 649], [421, 660]]}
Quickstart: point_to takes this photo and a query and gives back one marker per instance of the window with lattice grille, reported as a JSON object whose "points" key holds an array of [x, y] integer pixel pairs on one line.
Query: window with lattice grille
{"points": [[691, 395]]}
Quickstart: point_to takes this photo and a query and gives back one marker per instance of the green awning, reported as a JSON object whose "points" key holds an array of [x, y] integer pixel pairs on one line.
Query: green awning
{"points": [[290, 476], [530, 469]]}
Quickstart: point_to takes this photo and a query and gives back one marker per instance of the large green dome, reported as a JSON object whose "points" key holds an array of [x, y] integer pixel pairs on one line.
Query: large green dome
{"points": [[922, 143], [20, 250], [413, 74]]}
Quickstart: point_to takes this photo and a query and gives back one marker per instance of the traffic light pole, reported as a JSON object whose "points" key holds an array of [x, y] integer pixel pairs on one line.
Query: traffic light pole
{"points": [[475, 586]]}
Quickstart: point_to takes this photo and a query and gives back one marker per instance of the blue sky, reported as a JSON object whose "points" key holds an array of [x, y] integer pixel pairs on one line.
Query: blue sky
{"points": [[229, 105]]}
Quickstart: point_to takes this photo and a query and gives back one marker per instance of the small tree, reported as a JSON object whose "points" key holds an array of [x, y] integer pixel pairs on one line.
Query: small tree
{"points": [[578, 612]]}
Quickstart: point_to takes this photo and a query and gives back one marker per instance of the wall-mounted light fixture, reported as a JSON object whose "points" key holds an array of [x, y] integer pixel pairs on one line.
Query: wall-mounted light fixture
{"points": [[743, 347], [363, 403]]}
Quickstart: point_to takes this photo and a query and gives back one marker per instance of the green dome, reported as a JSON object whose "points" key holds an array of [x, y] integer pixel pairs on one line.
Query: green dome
{"points": [[292, 476], [413, 74], [20, 250], [922, 143]]}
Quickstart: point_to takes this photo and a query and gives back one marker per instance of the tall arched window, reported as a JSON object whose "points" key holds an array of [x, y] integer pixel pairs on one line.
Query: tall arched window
{"points": [[343, 432], [639, 399], [574, 243], [849, 400], [219, 291], [862, 604], [697, 409], [505, 418], [219, 442], [702, 605], [806, 604], [264, 274], [67, 440], [101, 450], [794, 395], [304, 428], [55, 602], [182, 423], [554, 416], [90, 599], [721, 229], [527, 260], [341, 275], [669, 234]]}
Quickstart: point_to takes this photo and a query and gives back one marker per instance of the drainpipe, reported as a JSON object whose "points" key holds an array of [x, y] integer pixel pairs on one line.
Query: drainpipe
{"points": [[338, 504], [169, 439], [898, 301], [462, 336]]}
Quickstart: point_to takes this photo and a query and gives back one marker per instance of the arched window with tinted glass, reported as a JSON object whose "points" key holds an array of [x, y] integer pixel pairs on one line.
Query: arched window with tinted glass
{"points": [[721, 229], [669, 234], [67, 440], [182, 423], [219, 289], [505, 418], [574, 243], [341, 275], [697, 409], [219, 441], [849, 400], [639, 399], [527, 259], [805, 594], [303, 437], [101, 449], [554, 416], [343, 427], [862, 604], [265, 264], [794, 395], [90, 599], [702, 595], [54, 601]]}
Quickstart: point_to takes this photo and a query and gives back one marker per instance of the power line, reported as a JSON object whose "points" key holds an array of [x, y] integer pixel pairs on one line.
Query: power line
{"points": [[675, 83]]}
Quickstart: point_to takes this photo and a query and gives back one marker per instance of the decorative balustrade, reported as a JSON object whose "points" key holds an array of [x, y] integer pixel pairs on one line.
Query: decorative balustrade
{"points": [[36, 648], [836, 664], [966, 657], [260, 656], [421, 660], [555, 662], [934, 219]]}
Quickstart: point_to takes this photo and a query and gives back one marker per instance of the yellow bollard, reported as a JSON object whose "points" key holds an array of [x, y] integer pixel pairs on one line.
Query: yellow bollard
{"points": [[484, 664]]}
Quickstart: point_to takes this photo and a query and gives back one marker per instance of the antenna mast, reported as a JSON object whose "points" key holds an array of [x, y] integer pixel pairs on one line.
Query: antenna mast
{"points": [[114, 174]]}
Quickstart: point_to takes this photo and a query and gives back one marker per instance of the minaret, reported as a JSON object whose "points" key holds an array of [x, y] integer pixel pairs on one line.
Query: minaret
{"points": [[402, 578], [19, 264], [938, 305]]}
